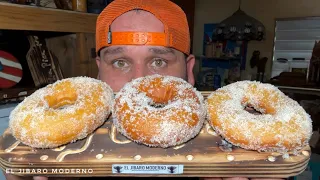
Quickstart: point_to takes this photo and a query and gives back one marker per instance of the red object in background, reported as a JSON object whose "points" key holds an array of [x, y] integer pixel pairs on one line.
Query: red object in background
{"points": [[10, 70], [224, 44]]}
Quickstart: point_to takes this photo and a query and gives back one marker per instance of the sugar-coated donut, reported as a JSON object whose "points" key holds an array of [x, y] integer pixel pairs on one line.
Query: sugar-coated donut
{"points": [[283, 125], [159, 111], [62, 112]]}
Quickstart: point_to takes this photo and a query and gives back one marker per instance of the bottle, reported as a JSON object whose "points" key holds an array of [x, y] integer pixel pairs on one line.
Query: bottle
{"points": [[218, 52], [209, 50]]}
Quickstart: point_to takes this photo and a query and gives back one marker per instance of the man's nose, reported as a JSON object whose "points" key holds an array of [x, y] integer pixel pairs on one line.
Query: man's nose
{"points": [[140, 71]]}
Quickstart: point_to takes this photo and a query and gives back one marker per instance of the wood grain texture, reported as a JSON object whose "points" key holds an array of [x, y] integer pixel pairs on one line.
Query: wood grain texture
{"points": [[91, 63], [99, 152], [22, 17], [74, 54], [64, 48], [85, 63]]}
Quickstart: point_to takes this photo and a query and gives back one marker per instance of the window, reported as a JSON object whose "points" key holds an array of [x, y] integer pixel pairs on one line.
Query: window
{"points": [[293, 43]]}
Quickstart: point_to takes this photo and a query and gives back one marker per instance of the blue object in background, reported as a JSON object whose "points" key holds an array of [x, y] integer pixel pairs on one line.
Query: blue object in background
{"points": [[216, 81], [229, 45], [208, 33], [218, 62], [311, 173]]}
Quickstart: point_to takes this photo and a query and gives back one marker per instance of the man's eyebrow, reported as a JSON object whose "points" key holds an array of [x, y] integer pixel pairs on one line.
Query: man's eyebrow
{"points": [[157, 50], [111, 50]]}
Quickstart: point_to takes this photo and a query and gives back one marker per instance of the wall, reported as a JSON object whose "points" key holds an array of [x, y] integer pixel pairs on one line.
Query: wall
{"points": [[214, 11]]}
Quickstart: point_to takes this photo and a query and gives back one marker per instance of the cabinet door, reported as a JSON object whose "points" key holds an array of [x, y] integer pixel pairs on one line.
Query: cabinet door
{"points": [[188, 7], [74, 53]]}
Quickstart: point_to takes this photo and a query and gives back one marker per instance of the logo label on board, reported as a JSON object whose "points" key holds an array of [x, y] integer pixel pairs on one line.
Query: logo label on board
{"points": [[146, 169]]}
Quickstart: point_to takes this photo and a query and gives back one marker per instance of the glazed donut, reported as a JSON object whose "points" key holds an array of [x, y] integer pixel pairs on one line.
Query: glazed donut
{"points": [[60, 113], [282, 126], [159, 111]]}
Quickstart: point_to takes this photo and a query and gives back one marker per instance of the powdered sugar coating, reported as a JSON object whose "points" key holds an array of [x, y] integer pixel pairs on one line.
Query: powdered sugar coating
{"points": [[35, 123], [179, 120], [285, 127]]}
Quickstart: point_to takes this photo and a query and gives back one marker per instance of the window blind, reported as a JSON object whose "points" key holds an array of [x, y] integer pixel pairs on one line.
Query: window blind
{"points": [[293, 43]]}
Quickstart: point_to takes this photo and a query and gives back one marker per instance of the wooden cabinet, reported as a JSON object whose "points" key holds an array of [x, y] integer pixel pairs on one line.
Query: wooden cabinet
{"points": [[73, 50], [23, 17], [72, 43]]}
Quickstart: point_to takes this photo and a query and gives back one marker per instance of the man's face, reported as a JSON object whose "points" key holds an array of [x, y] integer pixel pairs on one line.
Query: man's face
{"points": [[120, 64]]}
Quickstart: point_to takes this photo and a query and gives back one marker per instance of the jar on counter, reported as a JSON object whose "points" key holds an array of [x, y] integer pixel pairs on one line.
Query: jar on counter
{"points": [[79, 5]]}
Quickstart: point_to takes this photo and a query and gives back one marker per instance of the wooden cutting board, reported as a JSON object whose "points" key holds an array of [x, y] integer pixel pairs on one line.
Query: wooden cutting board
{"points": [[108, 153]]}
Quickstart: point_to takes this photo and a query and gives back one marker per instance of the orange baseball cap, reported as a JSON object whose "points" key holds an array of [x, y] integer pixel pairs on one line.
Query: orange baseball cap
{"points": [[176, 30]]}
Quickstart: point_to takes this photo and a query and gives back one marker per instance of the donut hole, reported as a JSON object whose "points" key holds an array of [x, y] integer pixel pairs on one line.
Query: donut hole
{"points": [[61, 101], [157, 105], [252, 110], [254, 106], [63, 106], [160, 97]]}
